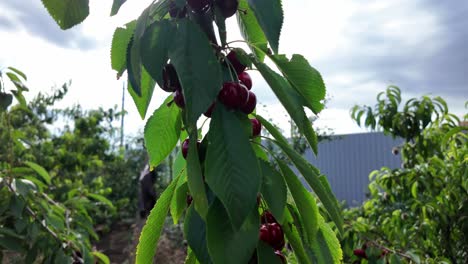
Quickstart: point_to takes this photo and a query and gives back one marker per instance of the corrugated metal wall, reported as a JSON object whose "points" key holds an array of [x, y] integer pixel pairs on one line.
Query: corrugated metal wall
{"points": [[347, 161]]}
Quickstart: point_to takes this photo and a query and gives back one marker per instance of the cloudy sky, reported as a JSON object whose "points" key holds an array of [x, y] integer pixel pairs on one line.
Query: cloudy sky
{"points": [[359, 46]]}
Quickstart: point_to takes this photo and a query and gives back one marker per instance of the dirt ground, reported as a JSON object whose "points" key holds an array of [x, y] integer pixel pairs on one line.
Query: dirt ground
{"points": [[120, 245]]}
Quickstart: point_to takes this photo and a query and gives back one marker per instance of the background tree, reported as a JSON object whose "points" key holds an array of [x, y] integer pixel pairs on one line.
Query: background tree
{"points": [[418, 212]]}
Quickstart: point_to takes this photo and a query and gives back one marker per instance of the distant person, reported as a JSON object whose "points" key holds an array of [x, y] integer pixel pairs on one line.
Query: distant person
{"points": [[147, 192]]}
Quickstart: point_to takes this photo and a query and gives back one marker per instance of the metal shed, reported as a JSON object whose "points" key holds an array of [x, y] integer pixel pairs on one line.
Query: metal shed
{"points": [[347, 161]]}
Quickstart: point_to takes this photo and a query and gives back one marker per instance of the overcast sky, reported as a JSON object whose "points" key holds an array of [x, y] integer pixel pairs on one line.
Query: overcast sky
{"points": [[359, 46]]}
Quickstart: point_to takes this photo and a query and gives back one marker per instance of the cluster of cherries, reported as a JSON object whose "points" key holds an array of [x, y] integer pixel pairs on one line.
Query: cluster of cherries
{"points": [[234, 95], [227, 7], [272, 234]]}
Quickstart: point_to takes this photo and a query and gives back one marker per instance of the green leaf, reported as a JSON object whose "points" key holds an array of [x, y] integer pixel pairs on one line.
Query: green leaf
{"points": [[273, 190], [5, 101], [20, 98], [120, 42], [266, 254], [304, 78], [310, 173], [149, 236], [67, 13], [178, 203], [251, 30], [162, 131], [116, 6], [226, 245], [101, 199], [197, 67], [232, 172], [11, 243], [39, 170], [194, 174], [294, 239], [327, 247], [292, 101], [305, 202], [155, 44], [191, 258], [18, 72], [24, 187], [195, 233], [142, 102], [101, 257], [414, 190], [269, 14]]}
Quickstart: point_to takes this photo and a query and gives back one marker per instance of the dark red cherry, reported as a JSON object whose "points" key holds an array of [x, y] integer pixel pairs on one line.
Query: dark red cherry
{"points": [[189, 200], [264, 234], [176, 12], [234, 61], [233, 95], [185, 147], [267, 217], [360, 253], [179, 98], [244, 77], [256, 127], [227, 7], [209, 112], [199, 5], [276, 236], [170, 79], [251, 103]]}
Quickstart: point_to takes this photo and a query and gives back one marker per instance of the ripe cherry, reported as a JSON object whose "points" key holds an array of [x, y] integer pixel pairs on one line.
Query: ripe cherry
{"points": [[170, 79], [189, 200], [276, 236], [244, 77], [233, 95], [281, 256], [179, 98], [234, 61], [267, 218], [228, 7], [185, 147], [176, 12], [250, 105], [264, 234], [209, 112], [256, 127], [360, 253], [199, 5]]}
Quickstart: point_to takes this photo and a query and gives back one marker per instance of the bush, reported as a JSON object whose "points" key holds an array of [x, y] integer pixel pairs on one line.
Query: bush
{"points": [[418, 212]]}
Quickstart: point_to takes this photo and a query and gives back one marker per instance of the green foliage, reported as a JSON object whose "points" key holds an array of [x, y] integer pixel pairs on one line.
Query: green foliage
{"points": [[251, 30], [67, 13], [152, 230], [160, 139], [304, 78], [223, 173], [198, 69], [120, 41], [235, 179], [419, 212], [41, 217], [269, 14]]}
